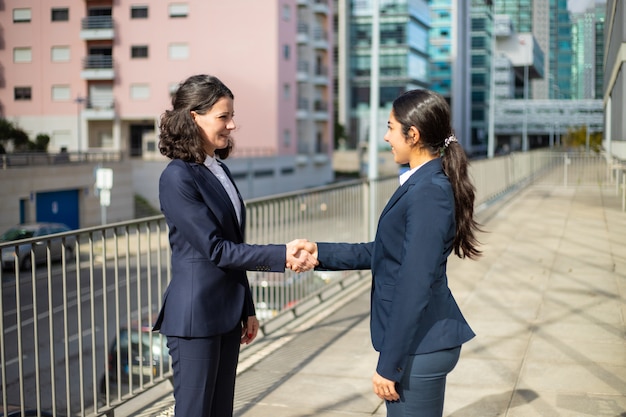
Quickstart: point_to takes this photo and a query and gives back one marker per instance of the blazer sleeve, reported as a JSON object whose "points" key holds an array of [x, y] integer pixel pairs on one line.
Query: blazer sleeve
{"points": [[425, 246], [199, 221], [344, 256]]}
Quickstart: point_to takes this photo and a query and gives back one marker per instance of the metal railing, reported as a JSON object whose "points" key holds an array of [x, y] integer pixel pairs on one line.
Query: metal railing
{"points": [[29, 159], [75, 335]]}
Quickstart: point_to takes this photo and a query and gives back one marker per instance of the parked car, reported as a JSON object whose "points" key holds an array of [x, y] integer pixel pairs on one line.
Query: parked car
{"points": [[15, 411], [30, 230], [140, 364]]}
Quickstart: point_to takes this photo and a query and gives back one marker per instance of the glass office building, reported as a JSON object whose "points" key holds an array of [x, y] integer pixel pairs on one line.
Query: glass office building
{"points": [[403, 57]]}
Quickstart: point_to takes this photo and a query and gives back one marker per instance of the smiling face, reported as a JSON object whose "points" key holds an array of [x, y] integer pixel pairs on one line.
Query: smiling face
{"points": [[400, 147], [216, 124]]}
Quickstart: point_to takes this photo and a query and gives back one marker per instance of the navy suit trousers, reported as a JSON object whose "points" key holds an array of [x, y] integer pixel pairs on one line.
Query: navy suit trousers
{"points": [[204, 374], [423, 386]]}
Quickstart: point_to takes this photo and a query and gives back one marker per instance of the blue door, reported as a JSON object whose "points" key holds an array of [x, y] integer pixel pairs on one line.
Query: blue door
{"points": [[59, 207]]}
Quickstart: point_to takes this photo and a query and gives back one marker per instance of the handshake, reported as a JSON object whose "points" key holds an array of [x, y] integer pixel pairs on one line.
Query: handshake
{"points": [[301, 255]]}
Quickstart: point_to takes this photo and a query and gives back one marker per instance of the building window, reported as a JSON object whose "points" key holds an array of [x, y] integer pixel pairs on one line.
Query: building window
{"points": [[287, 138], [139, 51], [21, 15], [287, 91], [286, 13], [61, 93], [60, 53], [138, 12], [178, 51], [140, 91], [22, 55], [173, 88], [178, 10], [22, 93], [286, 51], [60, 15]]}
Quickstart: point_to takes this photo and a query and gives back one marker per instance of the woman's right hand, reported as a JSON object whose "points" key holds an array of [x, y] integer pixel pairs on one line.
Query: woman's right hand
{"points": [[301, 255]]}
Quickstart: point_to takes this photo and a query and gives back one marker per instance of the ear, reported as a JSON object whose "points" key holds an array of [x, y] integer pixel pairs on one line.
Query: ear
{"points": [[193, 115], [414, 135]]}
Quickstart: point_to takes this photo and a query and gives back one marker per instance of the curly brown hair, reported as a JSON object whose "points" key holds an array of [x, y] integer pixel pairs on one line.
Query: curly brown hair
{"points": [[180, 137]]}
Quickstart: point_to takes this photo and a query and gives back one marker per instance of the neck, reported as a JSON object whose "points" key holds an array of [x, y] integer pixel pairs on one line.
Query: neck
{"points": [[420, 159]]}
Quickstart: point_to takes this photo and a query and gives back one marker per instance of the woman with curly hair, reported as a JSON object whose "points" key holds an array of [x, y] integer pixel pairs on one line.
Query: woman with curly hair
{"points": [[207, 309]]}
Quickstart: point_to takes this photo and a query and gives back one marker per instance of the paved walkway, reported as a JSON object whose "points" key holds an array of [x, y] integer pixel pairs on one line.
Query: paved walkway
{"points": [[547, 302]]}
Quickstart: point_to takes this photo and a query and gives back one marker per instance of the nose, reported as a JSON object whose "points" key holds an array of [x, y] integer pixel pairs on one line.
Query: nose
{"points": [[231, 124]]}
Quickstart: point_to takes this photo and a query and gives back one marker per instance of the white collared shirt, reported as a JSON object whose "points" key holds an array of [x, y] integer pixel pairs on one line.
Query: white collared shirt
{"points": [[406, 175], [216, 168]]}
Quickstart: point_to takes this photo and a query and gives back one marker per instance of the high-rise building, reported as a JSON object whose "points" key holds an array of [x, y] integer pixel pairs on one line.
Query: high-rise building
{"points": [[96, 75], [549, 22], [461, 38], [588, 45], [482, 56], [403, 58]]}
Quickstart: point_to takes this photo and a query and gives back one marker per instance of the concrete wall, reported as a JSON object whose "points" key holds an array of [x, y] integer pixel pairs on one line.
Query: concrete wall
{"points": [[23, 183]]}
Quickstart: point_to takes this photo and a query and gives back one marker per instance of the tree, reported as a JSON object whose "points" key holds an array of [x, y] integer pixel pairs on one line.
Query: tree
{"points": [[577, 138], [21, 142], [41, 142]]}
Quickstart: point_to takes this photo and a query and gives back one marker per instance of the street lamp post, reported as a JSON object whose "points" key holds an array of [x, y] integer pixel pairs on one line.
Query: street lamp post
{"points": [[372, 170], [79, 103]]}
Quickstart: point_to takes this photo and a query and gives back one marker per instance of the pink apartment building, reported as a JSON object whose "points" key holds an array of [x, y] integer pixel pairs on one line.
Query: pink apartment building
{"points": [[95, 75]]}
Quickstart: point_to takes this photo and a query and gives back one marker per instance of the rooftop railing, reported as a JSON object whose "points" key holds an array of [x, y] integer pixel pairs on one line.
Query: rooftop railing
{"points": [[78, 307]]}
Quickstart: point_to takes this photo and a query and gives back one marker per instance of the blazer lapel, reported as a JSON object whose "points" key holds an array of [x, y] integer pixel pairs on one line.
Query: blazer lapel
{"points": [[242, 205], [427, 169], [205, 176], [400, 191]]}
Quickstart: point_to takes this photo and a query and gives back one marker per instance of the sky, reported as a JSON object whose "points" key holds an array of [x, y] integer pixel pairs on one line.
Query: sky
{"points": [[579, 5]]}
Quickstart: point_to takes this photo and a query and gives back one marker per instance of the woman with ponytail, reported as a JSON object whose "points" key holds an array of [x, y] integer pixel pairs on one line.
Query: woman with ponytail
{"points": [[416, 325]]}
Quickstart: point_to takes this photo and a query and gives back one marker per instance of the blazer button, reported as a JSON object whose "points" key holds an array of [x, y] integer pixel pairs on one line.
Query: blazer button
{"points": [[399, 369]]}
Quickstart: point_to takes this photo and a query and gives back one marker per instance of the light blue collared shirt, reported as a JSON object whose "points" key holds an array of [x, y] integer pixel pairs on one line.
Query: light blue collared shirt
{"points": [[216, 168]]}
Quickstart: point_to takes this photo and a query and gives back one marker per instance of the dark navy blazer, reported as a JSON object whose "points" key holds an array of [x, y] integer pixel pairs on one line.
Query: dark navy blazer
{"points": [[413, 310], [209, 292]]}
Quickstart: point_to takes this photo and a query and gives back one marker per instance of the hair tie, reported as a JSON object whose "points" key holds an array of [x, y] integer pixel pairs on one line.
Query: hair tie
{"points": [[447, 143], [449, 140]]}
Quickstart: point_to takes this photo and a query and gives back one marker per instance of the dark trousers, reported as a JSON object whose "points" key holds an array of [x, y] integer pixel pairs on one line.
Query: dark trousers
{"points": [[204, 374], [423, 386]]}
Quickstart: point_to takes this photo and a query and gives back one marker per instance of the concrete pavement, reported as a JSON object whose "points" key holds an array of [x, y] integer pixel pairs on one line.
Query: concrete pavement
{"points": [[547, 301]]}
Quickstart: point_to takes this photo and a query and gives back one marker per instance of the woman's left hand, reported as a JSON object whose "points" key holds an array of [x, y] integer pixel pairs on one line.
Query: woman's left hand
{"points": [[249, 330], [385, 388]]}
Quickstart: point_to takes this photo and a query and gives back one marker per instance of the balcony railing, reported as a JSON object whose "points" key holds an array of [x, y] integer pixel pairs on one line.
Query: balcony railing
{"points": [[98, 62], [97, 22]]}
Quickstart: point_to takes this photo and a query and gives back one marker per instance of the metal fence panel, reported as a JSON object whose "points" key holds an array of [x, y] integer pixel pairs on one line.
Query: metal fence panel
{"points": [[75, 335]]}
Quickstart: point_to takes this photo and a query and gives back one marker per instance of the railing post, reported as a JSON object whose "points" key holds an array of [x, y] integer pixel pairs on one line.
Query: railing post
{"points": [[624, 189], [566, 162], [367, 207]]}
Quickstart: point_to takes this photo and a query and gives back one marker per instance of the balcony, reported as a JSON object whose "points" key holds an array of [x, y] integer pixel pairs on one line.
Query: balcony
{"points": [[320, 108], [96, 28], [97, 67], [303, 70], [99, 108], [303, 33], [320, 38], [321, 7], [303, 108], [321, 75]]}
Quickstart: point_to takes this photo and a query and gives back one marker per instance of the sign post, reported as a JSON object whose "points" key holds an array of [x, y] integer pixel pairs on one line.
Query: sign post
{"points": [[104, 184]]}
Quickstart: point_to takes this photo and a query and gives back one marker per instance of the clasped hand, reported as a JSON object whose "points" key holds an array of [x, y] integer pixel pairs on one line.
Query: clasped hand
{"points": [[301, 255]]}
